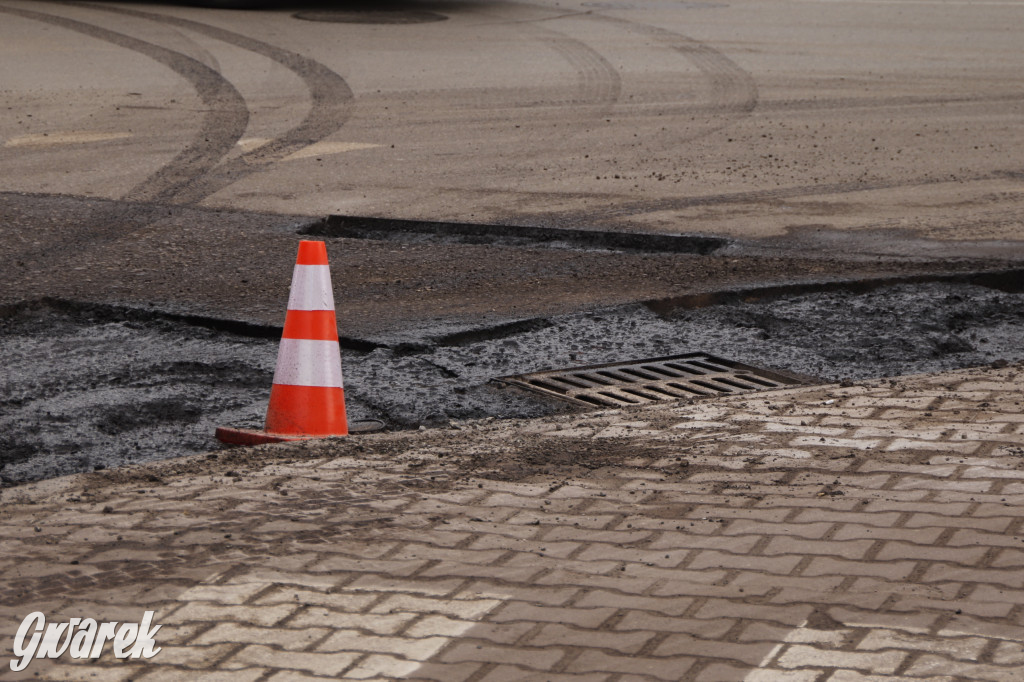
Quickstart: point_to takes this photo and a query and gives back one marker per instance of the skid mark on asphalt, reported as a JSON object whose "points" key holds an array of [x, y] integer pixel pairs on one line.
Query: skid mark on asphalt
{"points": [[330, 96], [223, 123], [63, 137], [733, 90], [598, 82]]}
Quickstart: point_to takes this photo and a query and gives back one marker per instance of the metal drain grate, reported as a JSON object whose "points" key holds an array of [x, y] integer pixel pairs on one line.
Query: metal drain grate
{"points": [[616, 384]]}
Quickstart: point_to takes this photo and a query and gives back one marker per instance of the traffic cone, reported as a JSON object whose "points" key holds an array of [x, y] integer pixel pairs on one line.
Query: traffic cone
{"points": [[307, 399]]}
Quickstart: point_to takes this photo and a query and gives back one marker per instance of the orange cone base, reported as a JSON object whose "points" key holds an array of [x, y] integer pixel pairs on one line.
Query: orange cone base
{"points": [[226, 434]]}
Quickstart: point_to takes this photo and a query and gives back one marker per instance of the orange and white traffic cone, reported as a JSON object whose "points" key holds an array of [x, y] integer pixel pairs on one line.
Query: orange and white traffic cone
{"points": [[307, 399]]}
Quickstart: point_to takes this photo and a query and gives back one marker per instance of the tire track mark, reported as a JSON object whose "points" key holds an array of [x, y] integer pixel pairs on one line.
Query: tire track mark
{"points": [[223, 123], [734, 93], [598, 82], [331, 105]]}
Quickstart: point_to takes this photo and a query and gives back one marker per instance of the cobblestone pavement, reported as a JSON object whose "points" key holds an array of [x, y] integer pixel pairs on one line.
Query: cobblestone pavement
{"points": [[871, 532]]}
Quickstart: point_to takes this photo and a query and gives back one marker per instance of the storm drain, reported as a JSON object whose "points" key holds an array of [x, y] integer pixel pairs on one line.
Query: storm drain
{"points": [[617, 384]]}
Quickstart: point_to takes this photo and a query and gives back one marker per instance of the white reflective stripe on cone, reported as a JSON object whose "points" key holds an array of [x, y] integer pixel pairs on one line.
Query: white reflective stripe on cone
{"points": [[311, 288], [303, 362]]}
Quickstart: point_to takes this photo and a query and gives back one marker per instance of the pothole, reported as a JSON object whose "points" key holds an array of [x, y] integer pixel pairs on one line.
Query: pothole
{"points": [[371, 16], [98, 386], [423, 232]]}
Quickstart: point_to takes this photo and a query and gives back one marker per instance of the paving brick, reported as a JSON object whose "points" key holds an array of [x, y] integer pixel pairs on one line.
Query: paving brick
{"points": [[534, 594], [653, 622], [904, 550], [560, 635], [889, 570], [850, 549], [884, 520], [754, 513], [874, 401], [782, 565], [85, 673], [412, 551], [994, 524], [675, 606], [854, 676], [286, 638], [266, 577], [169, 674], [993, 510], [516, 574], [1008, 653], [752, 583], [917, 623], [468, 609], [799, 656], [191, 655], [961, 447], [728, 608], [445, 672], [295, 676], [376, 623], [723, 672], [596, 562], [434, 587], [682, 644], [439, 538], [992, 472], [211, 612], [977, 672], [915, 505], [547, 548], [585, 535], [959, 485], [508, 673], [344, 600], [965, 626], [223, 594], [382, 667], [353, 640], [963, 648], [337, 564], [659, 668], [330, 664], [810, 531], [442, 626], [532, 518], [527, 657], [852, 531], [764, 632], [997, 594], [937, 572], [735, 544], [578, 615], [897, 432]]}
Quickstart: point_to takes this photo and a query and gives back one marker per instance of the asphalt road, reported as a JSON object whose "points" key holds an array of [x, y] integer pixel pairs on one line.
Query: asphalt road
{"points": [[165, 156]]}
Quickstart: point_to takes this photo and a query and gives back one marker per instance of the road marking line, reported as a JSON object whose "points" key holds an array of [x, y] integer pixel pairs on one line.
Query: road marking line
{"points": [[250, 143], [63, 137], [326, 148]]}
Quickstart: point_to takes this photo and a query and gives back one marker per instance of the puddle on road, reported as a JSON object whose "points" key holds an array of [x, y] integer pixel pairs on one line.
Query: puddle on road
{"points": [[88, 388]]}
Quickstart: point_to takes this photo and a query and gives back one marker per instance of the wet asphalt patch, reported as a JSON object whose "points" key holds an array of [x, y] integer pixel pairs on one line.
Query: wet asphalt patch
{"points": [[89, 387]]}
